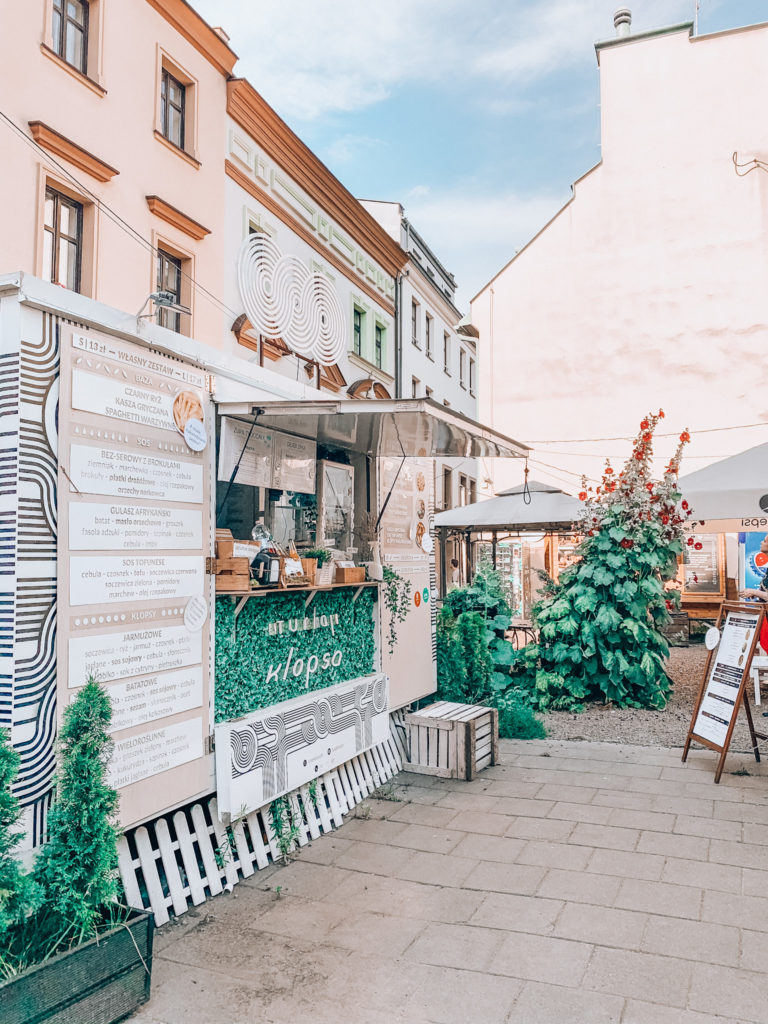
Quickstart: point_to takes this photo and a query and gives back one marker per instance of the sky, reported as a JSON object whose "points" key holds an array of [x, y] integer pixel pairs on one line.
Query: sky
{"points": [[476, 115]]}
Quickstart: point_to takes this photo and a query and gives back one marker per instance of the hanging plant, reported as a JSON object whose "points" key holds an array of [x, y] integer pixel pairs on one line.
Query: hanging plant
{"points": [[396, 591]]}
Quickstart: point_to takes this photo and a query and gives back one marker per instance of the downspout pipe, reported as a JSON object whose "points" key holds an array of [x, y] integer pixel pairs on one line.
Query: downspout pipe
{"points": [[398, 334]]}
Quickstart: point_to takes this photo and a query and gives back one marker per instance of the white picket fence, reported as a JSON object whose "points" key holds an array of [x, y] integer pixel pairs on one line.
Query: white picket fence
{"points": [[183, 859]]}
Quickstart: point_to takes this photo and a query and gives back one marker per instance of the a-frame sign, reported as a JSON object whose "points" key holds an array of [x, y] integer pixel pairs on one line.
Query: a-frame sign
{"points": [[725, 679]]}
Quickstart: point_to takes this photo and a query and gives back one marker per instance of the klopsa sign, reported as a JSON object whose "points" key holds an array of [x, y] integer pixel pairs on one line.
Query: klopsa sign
{"points": [[312, 663]]}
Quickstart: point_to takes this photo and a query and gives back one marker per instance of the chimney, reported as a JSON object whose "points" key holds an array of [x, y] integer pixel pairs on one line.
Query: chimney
{"points": [[622, 20]]}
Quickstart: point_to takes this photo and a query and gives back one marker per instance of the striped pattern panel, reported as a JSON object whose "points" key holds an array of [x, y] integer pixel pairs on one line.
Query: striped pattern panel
{"points": [[181, 859], [28, 471]]}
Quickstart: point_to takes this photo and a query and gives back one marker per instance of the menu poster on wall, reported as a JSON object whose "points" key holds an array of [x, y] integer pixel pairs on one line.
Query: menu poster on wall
{"points": [[704, 567], [249, 445], [725, 676], [134, 531], [294, 462]]}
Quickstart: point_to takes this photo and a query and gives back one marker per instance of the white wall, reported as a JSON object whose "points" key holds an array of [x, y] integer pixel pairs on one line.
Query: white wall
{"points": [[649, 288]]}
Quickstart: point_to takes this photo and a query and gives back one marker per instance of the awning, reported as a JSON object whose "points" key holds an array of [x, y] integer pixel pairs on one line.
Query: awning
{"points": [[735, 488], [549, 509], [414, 427]]}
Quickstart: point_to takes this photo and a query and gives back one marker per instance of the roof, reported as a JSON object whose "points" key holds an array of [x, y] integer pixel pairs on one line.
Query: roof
{"points": [[733, 488], [549, 509]]}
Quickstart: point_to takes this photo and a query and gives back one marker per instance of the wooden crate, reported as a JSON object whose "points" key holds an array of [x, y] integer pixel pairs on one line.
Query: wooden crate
{"points": [[354, 575], [233, 582], [454, 741]]}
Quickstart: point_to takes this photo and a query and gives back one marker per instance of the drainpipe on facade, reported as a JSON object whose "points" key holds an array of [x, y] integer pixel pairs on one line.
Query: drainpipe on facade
{"points": [[398, 334]]}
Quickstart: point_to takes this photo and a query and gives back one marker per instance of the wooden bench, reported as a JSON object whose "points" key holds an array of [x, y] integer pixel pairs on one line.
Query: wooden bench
{"points": [[453, 741]]}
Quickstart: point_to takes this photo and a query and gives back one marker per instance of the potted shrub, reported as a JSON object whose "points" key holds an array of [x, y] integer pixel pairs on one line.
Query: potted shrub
{"points": [[73, 952]]}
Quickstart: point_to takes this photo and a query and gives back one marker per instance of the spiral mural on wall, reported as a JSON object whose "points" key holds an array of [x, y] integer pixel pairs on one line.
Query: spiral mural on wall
{"points": [[284, 299]]}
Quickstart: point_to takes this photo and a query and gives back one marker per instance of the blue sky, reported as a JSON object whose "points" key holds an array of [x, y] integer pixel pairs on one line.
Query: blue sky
{"points": [[476, 115]]}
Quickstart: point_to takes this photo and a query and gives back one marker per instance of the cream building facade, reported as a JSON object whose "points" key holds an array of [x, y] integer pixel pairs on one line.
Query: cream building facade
{"points": [[647, 289]]}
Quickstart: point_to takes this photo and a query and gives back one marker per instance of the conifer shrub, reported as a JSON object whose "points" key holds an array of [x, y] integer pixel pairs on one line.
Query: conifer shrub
{"points": [[77, 867], [18, 893], [599, 626]]}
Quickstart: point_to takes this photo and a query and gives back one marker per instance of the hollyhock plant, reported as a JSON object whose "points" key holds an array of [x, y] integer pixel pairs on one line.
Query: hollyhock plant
{"points": [[599, 629]]}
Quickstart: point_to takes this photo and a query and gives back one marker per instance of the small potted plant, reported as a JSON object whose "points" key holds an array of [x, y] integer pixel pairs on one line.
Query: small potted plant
{"points": [[74, 951], [318, 557]]}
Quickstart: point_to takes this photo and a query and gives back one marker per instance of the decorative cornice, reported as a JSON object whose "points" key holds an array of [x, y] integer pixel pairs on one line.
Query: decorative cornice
{"points": [[331, 378], [175, 217], [266, 200], [59, 145], [198, 32], [273, 135]]}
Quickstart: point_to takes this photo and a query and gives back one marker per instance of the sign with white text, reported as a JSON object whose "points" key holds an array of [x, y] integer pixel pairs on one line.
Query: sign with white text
{"points": [[134, 532]]}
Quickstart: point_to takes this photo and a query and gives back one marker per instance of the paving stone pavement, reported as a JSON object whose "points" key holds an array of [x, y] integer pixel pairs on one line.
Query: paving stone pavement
{"points": [[574, 883]]}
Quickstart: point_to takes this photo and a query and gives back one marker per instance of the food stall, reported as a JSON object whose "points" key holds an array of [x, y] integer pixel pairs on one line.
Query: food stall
{"points": [[311, 659]]}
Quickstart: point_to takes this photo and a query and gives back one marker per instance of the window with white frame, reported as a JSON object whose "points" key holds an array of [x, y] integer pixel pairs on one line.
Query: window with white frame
{"points": [[415, 387], [415, 322], [446, 352], [428, 335], [378, 345], [462, 368], [471, 376]]}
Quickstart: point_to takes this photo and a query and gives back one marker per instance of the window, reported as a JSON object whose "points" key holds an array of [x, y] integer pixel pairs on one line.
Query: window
{"points": [[62, 240], [462, 490], [172, 103], [428, 392], [70, 32], [357, 331], [415, 387], [472, 491], [447, 352], [471, 376], [428, 336], [447, 488], [415, 321], [169, 280], [462, 368], [378, 342]]}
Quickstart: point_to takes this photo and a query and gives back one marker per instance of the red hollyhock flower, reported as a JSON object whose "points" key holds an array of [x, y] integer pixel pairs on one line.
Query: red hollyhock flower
{"points": [[691, 542], [647, 437], [668, 603], [697, 546], [644, 424], [684, 504], [661, 414], [608, 471], [582, 495], [665, 519], [685, 437], [649, 486], [695, 578], [627, 543]]}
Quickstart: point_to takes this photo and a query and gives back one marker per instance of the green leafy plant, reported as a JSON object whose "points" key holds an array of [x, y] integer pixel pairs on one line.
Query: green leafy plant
{"points": [[322, 555], [77, 866], [396, 593], [599, 628], [18, 893], [517, 720], [284, 825]]}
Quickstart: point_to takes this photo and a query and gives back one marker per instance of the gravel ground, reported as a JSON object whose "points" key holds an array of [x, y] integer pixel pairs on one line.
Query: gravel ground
{"points": [[601, 722]]}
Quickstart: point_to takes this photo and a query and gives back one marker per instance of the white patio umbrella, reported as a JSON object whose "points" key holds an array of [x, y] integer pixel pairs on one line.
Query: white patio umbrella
{"points": [[735, 488]]}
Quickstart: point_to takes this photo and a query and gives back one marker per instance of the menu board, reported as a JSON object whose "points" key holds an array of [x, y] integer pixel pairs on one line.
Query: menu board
{"points": [[134, 531], [722, 691], [266, 458], [704, 567], [720, 699], [251, 446]]}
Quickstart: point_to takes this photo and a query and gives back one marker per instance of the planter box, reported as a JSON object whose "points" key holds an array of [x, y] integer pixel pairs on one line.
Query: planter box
{"points": [[453, 741], [99, 982]]}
